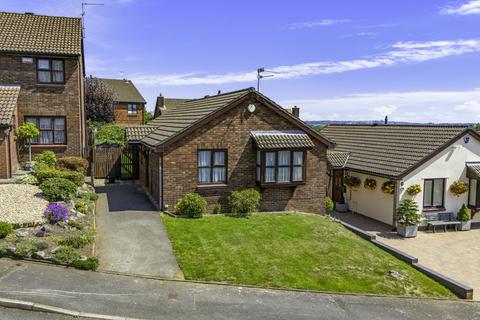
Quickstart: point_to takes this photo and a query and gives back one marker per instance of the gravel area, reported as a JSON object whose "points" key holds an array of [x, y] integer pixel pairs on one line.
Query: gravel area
{"points": [[21, 204]]}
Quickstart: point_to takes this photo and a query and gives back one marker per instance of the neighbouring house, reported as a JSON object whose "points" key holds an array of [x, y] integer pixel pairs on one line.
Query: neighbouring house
{"points": [[430, 156], [163, 104], [41, 81], [129, 103], [231, 141]]}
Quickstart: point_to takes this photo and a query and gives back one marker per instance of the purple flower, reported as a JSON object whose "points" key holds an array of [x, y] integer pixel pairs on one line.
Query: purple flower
{"points": [[56, 212]]}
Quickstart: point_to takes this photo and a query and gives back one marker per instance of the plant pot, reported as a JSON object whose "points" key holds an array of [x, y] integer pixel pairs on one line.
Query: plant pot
{"points": [[28, 166], [341, 207], [407, 231], [465, 225]]}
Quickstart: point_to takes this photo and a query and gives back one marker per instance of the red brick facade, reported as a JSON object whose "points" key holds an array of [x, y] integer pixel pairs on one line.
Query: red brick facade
{"points": [[63, 100], [124, 119], [231, 131]]}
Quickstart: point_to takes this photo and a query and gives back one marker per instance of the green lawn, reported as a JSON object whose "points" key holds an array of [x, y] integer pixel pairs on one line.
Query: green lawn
{"points": [[290, 251]]}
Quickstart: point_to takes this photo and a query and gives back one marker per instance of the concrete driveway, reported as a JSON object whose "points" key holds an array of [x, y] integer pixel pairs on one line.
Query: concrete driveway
{"points": [[131, 237], [454, 254]]}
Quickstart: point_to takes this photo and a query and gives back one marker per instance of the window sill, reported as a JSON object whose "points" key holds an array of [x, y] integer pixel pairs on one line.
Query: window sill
{"points": [[281, 185], [49, 145], [55, 85], [433, 209], [212, 186]]}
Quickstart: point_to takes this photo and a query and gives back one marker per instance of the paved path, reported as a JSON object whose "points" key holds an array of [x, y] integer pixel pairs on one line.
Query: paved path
{"points": [[131, 235], [136, 297], [454, 254]]}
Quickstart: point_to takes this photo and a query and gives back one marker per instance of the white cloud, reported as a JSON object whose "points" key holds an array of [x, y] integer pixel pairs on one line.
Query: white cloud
{"points": [[471, 7], [416, 106], [320, 23], [400, 53]]}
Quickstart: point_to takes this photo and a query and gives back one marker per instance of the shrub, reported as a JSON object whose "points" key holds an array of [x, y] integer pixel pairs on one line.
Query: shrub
{"points": [[458, 188], [5, 229], [76, 224], [3, 250], [388, 187], [58, 189], [65, 254], [464, 214], [217, 209], [352, 181], [92, 196], [27, 179], [78, 240], [74, 176], [83, 205], [414, 189], [77, 164], [407, 213], [329, 205], [192, 205], [370, 184], [91, 263], [41, 245], [110, 134], [56, 212], [47, 158], [43, 173], [244, 202], [24, 248]]}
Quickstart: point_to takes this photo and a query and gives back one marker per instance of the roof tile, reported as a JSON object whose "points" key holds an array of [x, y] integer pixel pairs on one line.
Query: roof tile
{"points": [[8, 103]]}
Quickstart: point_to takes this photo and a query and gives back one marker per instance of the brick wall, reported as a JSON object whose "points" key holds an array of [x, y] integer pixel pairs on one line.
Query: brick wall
{"points": [[48, 100], [232, 131], [123, 118]]}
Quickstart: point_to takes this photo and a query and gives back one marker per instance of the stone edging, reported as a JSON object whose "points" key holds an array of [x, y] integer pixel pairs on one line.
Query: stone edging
{"points": [[459, 289]]}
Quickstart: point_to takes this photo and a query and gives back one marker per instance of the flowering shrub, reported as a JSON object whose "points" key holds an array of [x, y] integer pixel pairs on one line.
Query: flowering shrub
{"points": [[458, 187], [414, 189], [388, 187], [352, 182], [56, 212], [370, 184]]}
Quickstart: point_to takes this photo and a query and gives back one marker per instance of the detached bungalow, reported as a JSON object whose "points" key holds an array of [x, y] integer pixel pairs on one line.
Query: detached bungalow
{"points": [[228, 142], [399, 156]]}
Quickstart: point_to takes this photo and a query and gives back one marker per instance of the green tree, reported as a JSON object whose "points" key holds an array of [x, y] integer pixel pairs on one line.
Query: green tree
{"points": [[477, 127], [148, 116], [27, 132]]}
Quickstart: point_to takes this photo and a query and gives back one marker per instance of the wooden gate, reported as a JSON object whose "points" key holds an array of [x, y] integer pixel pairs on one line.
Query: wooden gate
{"points": [[117, 162]]}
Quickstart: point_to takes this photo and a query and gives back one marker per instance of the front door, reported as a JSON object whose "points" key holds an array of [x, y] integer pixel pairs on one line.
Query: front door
{"points": [[337, 192]]}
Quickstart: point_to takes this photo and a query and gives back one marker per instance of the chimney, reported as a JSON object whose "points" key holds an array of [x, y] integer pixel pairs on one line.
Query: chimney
{"points": [[159, 105], [296, 111], [386, 119]]}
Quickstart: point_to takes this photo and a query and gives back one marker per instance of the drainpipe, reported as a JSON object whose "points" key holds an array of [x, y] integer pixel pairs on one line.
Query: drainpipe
{"points": [[395, 203], [9, 150]]}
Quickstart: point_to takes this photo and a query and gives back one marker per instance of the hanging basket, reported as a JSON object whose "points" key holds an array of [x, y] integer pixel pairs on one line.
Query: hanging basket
{"points": [[458, 188], [414, 189], [352, 182], [388, 187], [370, 184]]}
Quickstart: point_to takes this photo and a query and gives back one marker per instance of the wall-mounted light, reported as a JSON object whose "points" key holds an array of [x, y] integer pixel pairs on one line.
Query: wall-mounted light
{"points": [[251, 108]]}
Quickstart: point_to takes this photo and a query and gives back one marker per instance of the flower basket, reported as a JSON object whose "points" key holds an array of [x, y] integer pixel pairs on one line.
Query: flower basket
{"points": [[414, 189], [458, 188], [388, 187], [370, 184], [352, 182]]}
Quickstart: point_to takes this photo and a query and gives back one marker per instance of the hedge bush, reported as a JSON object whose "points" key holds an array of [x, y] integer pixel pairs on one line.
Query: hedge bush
{"points": [[192, 205], [244, 202], [77, 164], [47, 158], [44, 173], [58, 189], [5, 229]]}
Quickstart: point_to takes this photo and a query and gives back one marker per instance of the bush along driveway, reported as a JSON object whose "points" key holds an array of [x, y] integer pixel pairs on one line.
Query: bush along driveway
{"points": [[291, 251]]}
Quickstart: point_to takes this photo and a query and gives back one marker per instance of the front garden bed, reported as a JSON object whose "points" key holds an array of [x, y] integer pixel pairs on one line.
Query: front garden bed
{"points": [[291, 251]]}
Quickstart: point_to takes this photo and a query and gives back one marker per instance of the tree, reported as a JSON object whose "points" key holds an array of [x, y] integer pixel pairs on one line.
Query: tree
{"points": [[148, 116], [99, 101], [27, 132], [477, 127]]}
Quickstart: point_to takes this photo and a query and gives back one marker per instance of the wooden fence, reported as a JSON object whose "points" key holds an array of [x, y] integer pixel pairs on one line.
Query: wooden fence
{"points": [[117, 162]]}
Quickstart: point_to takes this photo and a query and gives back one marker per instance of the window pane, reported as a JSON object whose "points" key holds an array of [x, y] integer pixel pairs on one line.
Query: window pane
{"points": [[284, 174], [57, 76], [60, 137], [259, 169], [219, 158], [31, 120], [472, 196], [438, 192], [57, 65], [46, 137], [59, 124], [259, 158], [43, 64], [298, 158], [46, 123], [270, 175], [297, 174], [427, 191], [284, 158], [270, 158], [204, 158], [219, 174], [44, 76], [204, 175]]}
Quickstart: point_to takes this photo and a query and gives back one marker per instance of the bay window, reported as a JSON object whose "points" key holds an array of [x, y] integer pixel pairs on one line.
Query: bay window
{"points": [[212, 166], [280, 167], [52, 130]]}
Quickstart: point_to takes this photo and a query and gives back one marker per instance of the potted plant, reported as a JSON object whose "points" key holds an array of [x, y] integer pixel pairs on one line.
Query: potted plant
{"points": [[458, 188], [408, 218], [27, 132], [465, 218], [414, 189], [370, 184]]}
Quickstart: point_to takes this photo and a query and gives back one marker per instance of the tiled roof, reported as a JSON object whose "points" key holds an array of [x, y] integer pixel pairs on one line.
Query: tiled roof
{"points": [[30, 33], [270, 140], [174, 120], [337, 159], [389, 150], [8, 103], [473, 169], [137, 133], [124, 90]]}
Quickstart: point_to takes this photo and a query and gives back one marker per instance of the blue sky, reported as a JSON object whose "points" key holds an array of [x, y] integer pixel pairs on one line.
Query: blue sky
{"points": [[336, 60]]}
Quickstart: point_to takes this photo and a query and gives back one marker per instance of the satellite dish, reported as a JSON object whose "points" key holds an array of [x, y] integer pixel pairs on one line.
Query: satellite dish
{"points": [[251, 108]]}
